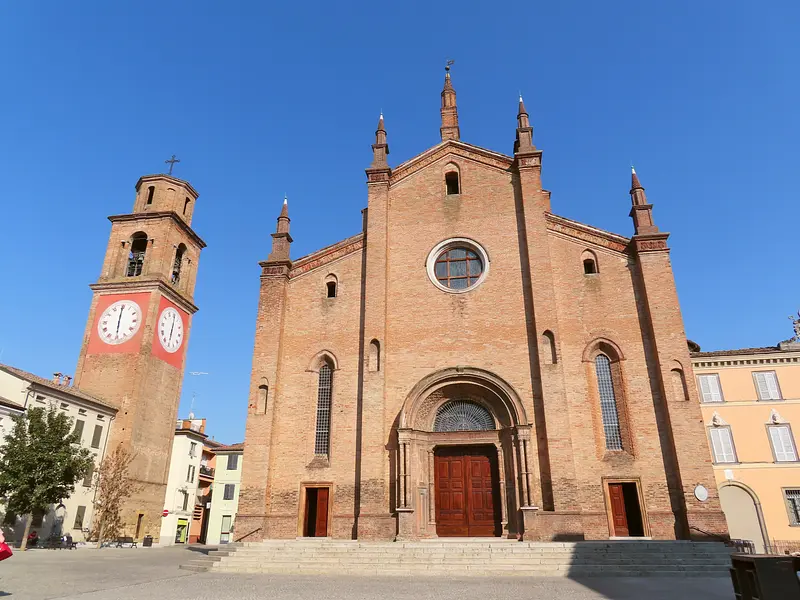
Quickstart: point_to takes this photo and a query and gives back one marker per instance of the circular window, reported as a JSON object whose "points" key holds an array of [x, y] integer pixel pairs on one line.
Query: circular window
{"points": [[457, 265]]}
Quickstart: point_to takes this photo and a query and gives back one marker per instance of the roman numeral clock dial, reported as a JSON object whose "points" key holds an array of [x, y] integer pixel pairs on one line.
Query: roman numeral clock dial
{"points": [[170, 330], [119, 322]]}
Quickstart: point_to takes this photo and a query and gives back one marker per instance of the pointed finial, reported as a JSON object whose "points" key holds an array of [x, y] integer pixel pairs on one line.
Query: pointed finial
{"points": [[284, 208], [520, 97], [285, 199], [635, 180]]}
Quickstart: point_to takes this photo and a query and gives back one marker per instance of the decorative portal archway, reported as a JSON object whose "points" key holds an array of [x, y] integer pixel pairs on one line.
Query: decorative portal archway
{"points": [[454, 420], [743, 513]]}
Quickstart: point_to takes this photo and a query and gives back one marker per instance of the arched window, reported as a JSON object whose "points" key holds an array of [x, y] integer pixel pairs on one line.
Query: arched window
{"points": [[322, 439], [176, 265], [263, 395], [679, 391], [374, 356], [136, 254], [608, 403], [549, 348], [330, 286], [452, 185], [590, 266], [461, 415], [150, 191], [186, 205]]}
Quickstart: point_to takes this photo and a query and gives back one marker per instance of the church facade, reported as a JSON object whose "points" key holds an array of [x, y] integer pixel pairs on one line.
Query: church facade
{"points": [[473, 364]]}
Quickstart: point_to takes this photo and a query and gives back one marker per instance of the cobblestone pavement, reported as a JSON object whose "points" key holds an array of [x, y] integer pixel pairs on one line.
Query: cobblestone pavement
{"points": [[152, 574]]}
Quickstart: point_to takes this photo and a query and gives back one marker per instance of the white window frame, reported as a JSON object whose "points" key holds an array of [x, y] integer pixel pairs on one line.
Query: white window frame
{"points": [[787, 451], [718, 452], [190, 474], [710, 396], [770, 390]]}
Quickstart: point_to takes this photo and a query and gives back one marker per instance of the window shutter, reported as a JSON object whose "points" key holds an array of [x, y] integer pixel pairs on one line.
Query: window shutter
{"points": [[709, 388], [767, 386], [233, 462], [722, 445], [782, 444], [79, 517], [87, 481], [228, 493], [79, 428], [772, 385], [98, 433]]}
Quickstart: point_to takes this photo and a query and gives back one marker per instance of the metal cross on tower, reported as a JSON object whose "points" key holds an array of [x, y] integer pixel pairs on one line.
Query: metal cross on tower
{"points": [[171, 162]]}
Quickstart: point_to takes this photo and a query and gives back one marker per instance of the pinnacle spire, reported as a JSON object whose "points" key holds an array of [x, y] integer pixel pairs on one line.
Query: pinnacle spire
{"points": [[641, 211], [281, 240], [524, 139], [449, 129], [380, 149], [635, 185]]}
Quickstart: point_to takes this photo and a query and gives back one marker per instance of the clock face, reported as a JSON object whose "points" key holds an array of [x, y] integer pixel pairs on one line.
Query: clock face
{"points": [[170, 330], [119, 322]]}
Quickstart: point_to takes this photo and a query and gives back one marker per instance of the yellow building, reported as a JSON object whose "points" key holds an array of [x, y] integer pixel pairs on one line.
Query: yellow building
{"points": [[750, 401]]}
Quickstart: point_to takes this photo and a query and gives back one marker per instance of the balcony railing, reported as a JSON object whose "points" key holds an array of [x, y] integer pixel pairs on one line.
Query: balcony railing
{"points": [[207, 471]]}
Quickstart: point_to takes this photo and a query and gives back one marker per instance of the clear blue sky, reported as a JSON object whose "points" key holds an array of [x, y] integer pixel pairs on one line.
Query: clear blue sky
{"points": [[259, 99]]}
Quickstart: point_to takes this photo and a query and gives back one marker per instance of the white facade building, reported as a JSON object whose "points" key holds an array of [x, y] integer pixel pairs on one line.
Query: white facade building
{"points": [[225, 497], [20, 390], [184, 473]]}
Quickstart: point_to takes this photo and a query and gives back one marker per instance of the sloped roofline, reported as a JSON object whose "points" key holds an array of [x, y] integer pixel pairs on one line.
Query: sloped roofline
{"points": [[61, 389]]}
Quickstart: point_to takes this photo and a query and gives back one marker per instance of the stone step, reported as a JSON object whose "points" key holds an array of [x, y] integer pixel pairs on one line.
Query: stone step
{"points": [[478, 570], [472, 557]]}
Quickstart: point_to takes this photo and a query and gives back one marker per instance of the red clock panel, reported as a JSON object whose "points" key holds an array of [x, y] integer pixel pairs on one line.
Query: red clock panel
{"points": [[169, 338], [119, 323]]}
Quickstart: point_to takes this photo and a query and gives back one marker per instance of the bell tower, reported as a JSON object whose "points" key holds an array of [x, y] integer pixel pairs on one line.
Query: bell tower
{"points": [[134, 347]]}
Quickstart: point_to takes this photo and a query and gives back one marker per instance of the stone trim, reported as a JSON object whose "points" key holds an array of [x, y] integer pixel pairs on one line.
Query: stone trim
{"points": [[165, 214], [587, 233], [326, 255], [723, 362], [442, 150]]}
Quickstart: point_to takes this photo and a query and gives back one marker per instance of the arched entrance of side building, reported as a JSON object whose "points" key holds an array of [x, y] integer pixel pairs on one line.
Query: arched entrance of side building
{"points": [[743, 513], [463, 459]]}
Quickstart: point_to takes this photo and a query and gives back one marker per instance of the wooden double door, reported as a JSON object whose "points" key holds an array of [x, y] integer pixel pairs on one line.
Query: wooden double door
{"points": [[467, 491]]}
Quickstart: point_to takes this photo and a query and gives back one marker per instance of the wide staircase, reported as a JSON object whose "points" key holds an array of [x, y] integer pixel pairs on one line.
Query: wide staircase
{"points": [[471, 557]]}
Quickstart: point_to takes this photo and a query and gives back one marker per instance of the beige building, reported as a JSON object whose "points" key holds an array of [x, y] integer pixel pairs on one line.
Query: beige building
{"points": [[750, 400], [183, 483], [225, 499], [20, 390]]}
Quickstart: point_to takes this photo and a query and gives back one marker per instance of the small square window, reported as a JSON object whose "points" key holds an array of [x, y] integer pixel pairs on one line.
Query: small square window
{"points": [[81, 411]]}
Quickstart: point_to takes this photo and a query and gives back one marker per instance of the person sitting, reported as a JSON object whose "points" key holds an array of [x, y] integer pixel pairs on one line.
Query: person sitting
{"points": [[33, 539]]}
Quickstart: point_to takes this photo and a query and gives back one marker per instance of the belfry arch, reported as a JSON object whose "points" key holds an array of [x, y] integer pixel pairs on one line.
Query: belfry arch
{"points": [[463, 420]]}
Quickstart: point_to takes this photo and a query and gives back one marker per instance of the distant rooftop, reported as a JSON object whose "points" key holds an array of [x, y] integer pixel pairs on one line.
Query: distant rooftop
{"points": [[739, 352], [63, 389], [230, 448]]}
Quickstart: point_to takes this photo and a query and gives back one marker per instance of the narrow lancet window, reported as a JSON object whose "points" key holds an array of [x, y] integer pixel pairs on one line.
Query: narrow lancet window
{"points": [[322, 439], [452, 183], [608, 403], [136, 254]]}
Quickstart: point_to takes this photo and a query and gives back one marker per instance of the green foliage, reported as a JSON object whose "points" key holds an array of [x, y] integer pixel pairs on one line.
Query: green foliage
{"points": [[41, 461]]}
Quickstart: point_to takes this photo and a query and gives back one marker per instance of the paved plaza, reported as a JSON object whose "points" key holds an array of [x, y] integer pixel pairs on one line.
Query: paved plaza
{"points": [[153, 574]]}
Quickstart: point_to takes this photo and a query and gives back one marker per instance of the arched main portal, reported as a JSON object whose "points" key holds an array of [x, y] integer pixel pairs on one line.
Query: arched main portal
{"points": [[464, 457]]}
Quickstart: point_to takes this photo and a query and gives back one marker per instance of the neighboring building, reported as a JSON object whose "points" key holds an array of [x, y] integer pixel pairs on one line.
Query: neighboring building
{"points": [[751, 409], [91, 416], [225, 500], [183, 482], [205, 484], [472, 364]]}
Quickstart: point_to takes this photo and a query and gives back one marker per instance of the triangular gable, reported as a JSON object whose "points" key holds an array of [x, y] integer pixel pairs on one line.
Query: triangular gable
{"points": [[486, 157]]}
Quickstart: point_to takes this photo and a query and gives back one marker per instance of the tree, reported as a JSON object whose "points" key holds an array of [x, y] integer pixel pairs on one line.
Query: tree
{"points": [[113, 484], [40, 463]]}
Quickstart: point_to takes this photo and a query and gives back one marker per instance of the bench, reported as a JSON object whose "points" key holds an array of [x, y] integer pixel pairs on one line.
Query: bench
{"points": [[61, 544], [126, 540]]}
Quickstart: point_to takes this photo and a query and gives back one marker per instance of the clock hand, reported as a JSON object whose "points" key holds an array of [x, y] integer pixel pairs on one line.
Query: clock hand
{"points": [[121, 310], [172, 328]]}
